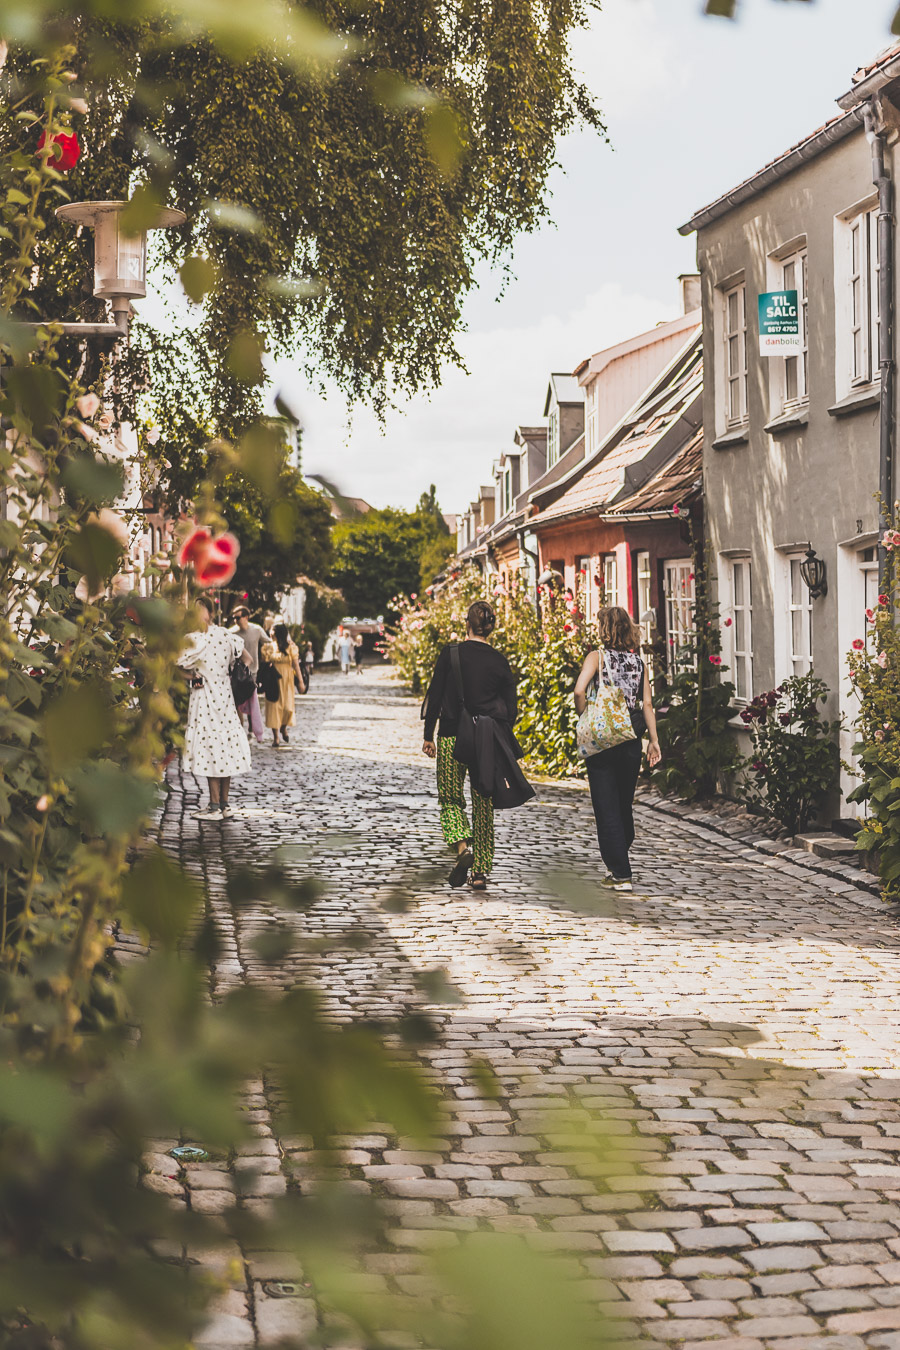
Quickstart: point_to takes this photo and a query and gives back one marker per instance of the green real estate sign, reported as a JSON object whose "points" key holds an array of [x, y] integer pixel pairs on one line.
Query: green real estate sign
{"points": [[779, 324]]}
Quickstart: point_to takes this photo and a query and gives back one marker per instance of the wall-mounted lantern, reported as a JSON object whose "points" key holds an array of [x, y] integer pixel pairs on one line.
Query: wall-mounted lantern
{"points": [[120, 260], [812, 570]]}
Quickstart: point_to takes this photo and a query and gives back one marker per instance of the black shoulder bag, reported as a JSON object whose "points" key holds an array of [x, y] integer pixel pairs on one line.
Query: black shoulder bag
{"points": [[242, 681], [464, 750]]}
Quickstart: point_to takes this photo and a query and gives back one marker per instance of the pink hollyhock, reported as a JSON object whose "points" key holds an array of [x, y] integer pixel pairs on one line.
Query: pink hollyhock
{"points": [[569, 628], [66, 150], [220, 563], [716, 660], [87, 405], [194, 548], [870, 615], [879, 734], [676, 509], [728, 623], [882, 599], [881, 659], [858, 644]]}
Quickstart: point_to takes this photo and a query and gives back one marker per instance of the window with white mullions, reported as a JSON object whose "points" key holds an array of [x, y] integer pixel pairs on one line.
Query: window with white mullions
{"points": [[800, 612], [742, 641], [864, 315], [679, 594], [644, 576], [610, 580], [796, 368], [736, 354]]}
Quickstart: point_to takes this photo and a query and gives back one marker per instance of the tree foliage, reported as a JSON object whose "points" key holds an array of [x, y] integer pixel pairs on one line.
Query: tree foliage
{"points": [[383, 554], [338, 204]]}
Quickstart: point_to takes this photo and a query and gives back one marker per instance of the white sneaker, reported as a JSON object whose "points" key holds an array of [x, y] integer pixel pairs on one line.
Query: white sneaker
{"points": [[617, 883], [211, 813]]}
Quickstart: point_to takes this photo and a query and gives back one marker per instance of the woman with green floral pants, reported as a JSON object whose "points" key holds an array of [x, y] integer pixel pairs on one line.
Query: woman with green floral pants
{"points": [[490, 691], [454, 822]]}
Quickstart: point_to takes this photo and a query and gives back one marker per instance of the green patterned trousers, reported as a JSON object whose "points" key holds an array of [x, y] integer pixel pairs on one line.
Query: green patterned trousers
{"points": [[454, 822]]}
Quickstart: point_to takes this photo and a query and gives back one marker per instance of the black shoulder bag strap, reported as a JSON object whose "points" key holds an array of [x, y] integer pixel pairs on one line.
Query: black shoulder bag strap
{"points": [[457, 675]]}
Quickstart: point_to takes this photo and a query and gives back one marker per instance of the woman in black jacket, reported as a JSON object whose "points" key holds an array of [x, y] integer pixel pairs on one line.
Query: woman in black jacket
{"points": [[490, 692]]}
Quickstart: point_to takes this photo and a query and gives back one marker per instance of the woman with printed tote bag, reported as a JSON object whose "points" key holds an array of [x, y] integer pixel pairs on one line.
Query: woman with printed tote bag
{"points": [[613, 700]]}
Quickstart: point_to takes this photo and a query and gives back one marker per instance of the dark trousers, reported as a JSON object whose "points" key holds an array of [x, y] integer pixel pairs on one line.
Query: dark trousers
{"points": [[613, 776]]}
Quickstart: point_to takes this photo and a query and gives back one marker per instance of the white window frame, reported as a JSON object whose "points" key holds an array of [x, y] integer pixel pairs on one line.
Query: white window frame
{"points": [[610, 579], [734, 367], [741, 662], [584, 577], [506, 492], [799, 613], [794, 277], [679, 592], [857, 323], [591, 423], [553, 435], [644, 588]]}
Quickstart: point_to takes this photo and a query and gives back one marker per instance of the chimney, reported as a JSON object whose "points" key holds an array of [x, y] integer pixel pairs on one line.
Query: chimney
{"points": [[690, 291]]}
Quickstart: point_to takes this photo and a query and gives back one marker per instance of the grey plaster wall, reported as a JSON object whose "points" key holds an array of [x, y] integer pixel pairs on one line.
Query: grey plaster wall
{"points": [[812, 482]]}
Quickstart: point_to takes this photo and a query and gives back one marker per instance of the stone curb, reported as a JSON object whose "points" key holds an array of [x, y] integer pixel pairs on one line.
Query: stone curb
{"points": [[854, 882]]}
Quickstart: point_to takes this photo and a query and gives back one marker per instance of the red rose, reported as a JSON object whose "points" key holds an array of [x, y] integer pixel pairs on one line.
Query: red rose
{"points": [[66, 150]]}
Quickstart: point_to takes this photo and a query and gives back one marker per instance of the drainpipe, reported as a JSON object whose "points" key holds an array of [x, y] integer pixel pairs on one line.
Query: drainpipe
{"points": [[875, 135]]}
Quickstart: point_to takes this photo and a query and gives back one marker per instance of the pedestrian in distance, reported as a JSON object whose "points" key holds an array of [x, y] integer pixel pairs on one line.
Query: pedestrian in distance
{"points": [[254, 637], [472, 701], [215, 744], [344, 648], [309, 660], [613, 773], [282, 654], [358, 653]]}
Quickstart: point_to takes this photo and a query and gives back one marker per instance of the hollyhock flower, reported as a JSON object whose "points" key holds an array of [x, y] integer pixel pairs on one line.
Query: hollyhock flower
{"points": [[66, 150], [569, 628], [784, 719], [728, 623], [152, 436], [858, 644], [413, 596], [882, 660], [716, 660], [879, 734], [112, 523], [87, 405], [870, 615], [676, 509], [79, 105], [746, 716], [690, 576], [195, 547], [882, 599]]}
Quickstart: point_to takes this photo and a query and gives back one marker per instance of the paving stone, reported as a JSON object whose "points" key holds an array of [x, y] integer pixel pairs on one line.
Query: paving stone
{"points": [[695, 1105]]}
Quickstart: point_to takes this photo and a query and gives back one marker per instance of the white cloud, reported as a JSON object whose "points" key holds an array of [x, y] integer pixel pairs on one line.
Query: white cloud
{"points": [[630, 60]]}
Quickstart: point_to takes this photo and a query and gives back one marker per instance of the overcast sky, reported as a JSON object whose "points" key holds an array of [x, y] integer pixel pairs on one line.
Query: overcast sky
{"points": [[693, 105]]}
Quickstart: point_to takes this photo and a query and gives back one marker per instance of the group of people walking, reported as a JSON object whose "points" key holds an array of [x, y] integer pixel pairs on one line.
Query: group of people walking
{"points": [[216, 746], [469, 711], [472, 702]]}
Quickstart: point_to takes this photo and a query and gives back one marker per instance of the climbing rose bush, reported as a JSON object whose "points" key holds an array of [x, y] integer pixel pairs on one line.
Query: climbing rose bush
{"points": [[794, 762], [874, 672]]}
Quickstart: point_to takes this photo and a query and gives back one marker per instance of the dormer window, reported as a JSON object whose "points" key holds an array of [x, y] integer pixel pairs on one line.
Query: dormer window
{"points": [[553, 435]]}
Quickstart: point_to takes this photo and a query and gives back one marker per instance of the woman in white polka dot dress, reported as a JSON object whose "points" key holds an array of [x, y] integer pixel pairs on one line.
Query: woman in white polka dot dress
{"points": [[215, 745]]}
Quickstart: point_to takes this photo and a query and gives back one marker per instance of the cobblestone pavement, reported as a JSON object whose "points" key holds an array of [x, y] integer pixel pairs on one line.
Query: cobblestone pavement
{"points": [[733, 1024]]}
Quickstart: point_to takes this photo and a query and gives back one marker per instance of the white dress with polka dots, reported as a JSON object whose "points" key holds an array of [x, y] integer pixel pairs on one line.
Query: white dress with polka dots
{"points": [[215, 743]]}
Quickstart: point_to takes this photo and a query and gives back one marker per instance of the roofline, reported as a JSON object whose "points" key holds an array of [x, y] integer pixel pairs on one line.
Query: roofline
{"points": [[832, 134], [667, 328], [871, 85]]}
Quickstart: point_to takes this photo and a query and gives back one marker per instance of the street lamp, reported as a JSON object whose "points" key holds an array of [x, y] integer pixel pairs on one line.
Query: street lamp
{"points": [[120, 259], [812, 570]]}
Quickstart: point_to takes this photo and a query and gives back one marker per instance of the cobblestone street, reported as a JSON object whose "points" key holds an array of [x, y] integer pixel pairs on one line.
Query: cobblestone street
{"points": [[732, 1025]]}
